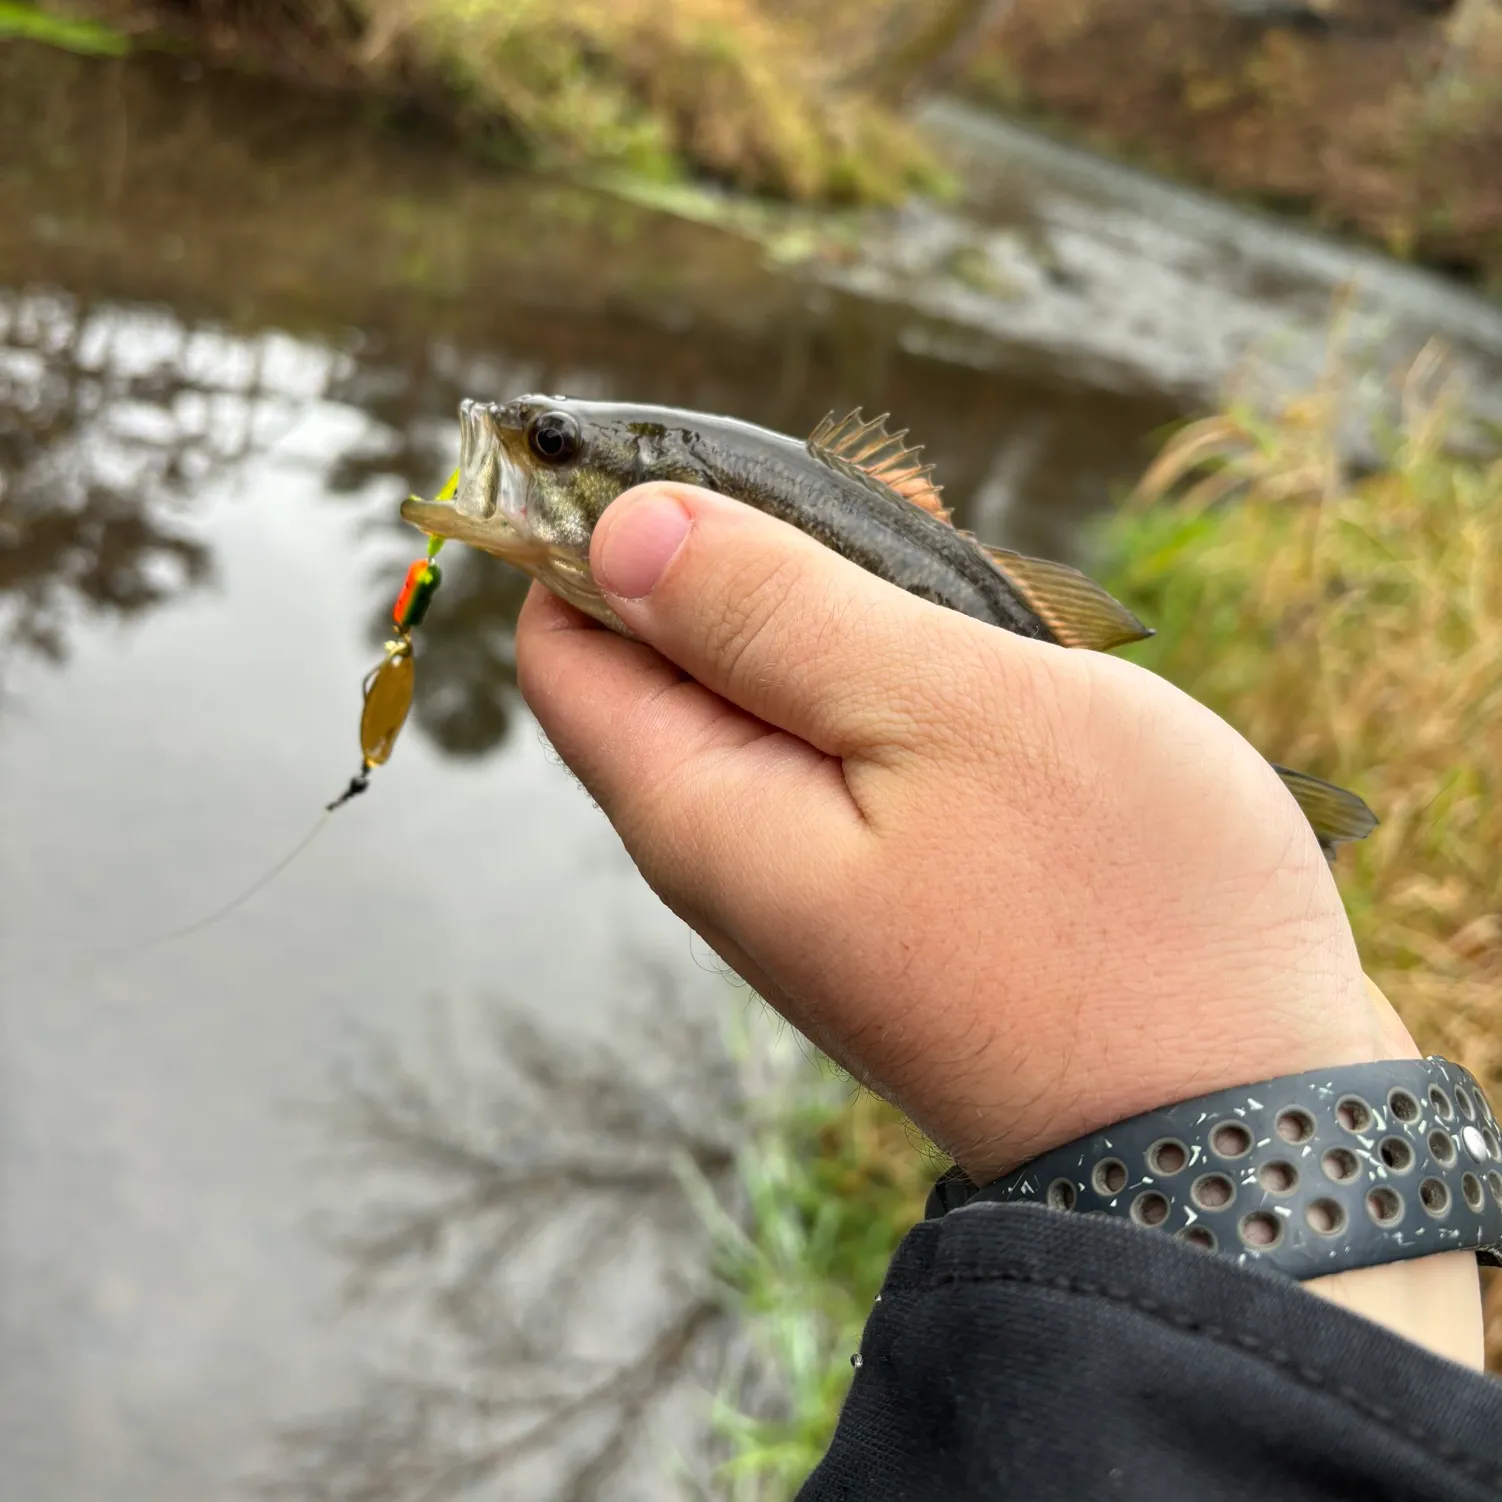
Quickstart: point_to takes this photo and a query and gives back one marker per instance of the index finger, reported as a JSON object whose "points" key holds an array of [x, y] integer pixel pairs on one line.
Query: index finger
{"points": [[682, 774]]}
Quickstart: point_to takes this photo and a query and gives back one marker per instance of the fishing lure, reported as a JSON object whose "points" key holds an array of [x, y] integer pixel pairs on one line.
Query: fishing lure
{"points": [[389, 686], [388, 690]]}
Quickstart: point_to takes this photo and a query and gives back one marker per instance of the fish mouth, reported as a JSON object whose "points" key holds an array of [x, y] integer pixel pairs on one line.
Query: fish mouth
{"points": [[489, 508], [444, 519]]}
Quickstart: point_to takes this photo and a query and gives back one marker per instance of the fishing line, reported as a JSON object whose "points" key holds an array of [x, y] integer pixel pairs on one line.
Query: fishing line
{"points": [[387, 694], [123, 948], [235, 903]]}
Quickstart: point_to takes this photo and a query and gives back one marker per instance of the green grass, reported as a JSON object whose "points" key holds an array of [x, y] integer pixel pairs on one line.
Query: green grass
{"points": [[831, 1179], [87, 37]]}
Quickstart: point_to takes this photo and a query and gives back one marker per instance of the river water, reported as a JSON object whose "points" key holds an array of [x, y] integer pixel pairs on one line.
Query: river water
{"points": [[451, 1053]]}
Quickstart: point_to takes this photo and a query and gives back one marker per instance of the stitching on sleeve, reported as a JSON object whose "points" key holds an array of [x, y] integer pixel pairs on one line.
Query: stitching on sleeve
{"points": [[1473, 1466]]}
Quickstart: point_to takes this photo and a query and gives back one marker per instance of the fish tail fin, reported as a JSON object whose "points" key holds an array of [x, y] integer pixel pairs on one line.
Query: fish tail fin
{"points": [[1334, 813], [1076, 610]]}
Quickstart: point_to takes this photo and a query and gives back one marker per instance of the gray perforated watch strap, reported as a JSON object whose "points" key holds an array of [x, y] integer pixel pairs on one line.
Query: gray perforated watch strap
{"points": [[1308, 1174]]}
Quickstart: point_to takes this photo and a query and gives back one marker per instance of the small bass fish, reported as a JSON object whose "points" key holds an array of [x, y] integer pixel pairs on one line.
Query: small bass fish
{"points": [[536, 474]]}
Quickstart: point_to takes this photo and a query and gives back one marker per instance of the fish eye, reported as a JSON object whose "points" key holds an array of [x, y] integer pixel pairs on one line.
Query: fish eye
{"points": [[554, 437]]}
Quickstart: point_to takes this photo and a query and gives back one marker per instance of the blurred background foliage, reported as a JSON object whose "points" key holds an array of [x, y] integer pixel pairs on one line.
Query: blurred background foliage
{"points": [[1382, 117], [781, 97], [1378, 117]]}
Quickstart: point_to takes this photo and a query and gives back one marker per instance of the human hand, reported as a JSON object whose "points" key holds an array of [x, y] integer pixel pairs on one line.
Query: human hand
{"points": [[1021, 891]]}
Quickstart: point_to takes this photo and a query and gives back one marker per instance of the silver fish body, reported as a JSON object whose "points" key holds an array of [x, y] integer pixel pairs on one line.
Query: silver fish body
{"points": [[537, 473]]}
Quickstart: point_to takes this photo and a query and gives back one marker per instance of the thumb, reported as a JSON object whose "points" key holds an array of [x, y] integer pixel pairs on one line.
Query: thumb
{"points": [[782, 626]]}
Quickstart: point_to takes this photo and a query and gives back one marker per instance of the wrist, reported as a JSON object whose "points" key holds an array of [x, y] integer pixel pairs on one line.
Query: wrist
{"points": [[1433, 1301], [1354, 1031], [1345, 1178]]}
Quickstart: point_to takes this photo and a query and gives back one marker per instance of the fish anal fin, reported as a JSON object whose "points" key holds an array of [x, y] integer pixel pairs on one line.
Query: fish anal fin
{"points": [[1076, 610], [1334, 813], [856, 445]]}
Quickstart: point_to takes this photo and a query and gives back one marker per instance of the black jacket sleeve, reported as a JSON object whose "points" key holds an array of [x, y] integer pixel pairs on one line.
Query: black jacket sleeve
{"points": [[1020, 1353]]}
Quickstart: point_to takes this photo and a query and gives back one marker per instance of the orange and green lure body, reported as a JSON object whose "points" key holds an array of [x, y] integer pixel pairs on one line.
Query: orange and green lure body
{"points": [[389, 687]]}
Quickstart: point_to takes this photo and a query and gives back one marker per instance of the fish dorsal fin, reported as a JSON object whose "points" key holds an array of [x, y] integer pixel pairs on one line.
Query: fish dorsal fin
{"points": [[1076, 610], [865, 450], [1334, 813]]}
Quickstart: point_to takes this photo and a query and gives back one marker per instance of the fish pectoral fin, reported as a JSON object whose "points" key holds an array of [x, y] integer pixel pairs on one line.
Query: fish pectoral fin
{"points": [[866, 451], [1076, 610], [1335, 814]]}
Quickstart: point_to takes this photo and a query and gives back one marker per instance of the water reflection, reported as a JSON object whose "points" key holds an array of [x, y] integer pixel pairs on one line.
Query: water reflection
{"points": [[454, 282], [466, 678], [116, 420], [466, 681], [510, 1194], [91, 445]]}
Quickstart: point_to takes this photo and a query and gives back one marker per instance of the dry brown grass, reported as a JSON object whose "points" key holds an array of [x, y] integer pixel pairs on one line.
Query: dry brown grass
{"points": [[1348, 624], [1353, 626], [785, 98], [717, 83], [1388, 125]]}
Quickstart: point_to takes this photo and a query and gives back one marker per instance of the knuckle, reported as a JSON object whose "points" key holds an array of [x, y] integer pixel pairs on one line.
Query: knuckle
{"points": [[946, 693], [752, 603], [679, 836]]}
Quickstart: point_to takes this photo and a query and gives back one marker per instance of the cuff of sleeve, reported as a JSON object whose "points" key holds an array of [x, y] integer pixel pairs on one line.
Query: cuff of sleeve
{"points": [[1018, 1351]]}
